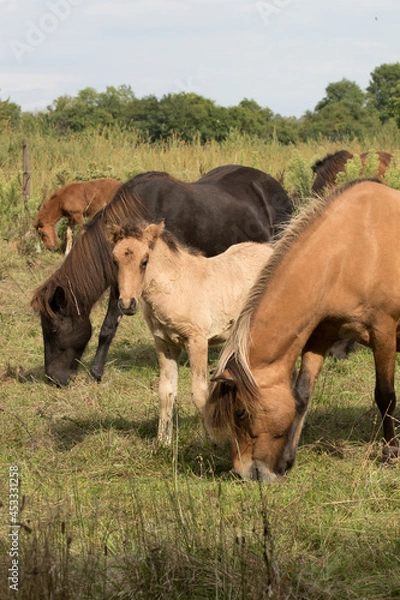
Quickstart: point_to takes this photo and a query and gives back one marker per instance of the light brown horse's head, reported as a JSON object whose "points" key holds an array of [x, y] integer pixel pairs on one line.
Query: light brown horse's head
{"points": [[47, 233], [132, 250], [259, 422]]}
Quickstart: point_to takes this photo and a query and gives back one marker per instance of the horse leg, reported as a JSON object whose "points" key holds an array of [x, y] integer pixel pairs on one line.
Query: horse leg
{"points": [[197, 348], [69, 235], [107, 333], [168, 358], [383, 343], [311, 364]]}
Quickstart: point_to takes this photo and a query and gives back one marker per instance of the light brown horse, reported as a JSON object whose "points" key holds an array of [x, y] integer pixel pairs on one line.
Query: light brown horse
{"points": [[310, 294], [189, 301], [76, 201]]}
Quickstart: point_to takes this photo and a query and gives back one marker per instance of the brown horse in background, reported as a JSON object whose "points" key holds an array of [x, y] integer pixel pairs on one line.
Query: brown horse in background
{"points": [[327, 169], [75, 201], [310, 294]]}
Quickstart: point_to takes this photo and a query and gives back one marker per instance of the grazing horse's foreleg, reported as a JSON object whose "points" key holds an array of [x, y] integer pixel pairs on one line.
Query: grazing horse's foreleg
{"points": [[311, 365], [383, 344], [168, 358], [107, 333]]}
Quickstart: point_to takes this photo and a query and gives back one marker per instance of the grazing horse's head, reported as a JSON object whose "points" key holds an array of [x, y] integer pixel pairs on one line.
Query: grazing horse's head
{"points": [[65, 336], [261, 427], [131, 254], [47, 233]]}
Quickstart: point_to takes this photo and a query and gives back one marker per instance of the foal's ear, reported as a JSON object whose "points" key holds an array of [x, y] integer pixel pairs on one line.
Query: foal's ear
{"points": [[114, 232], [153, 231]]}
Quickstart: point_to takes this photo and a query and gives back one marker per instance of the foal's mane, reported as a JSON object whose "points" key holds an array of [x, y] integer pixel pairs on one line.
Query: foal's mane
{"points": [[235, 355], [136, 231], [88, 270]]}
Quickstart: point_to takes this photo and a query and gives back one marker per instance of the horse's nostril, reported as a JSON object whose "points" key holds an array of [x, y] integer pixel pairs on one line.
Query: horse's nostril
{"points": [[129, 307]]}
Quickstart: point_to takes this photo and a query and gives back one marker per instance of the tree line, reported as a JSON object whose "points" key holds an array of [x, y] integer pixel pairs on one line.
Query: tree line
{"points": [[345, 112]]}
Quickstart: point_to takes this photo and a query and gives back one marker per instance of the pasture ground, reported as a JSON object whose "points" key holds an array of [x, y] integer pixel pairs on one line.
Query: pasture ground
{"points": [[105, 514]]}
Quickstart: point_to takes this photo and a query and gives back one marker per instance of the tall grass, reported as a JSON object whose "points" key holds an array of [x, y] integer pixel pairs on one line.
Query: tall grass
{"points": [[107, 514]]}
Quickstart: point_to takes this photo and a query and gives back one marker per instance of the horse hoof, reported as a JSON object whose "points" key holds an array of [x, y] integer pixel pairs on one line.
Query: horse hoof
{"points": [[390, 453], [92, 378]]}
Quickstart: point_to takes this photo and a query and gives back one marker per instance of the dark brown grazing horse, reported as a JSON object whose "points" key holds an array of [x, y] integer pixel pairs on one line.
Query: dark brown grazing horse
{"points": [[76, 201], [310, 294], [327, 169], [228, 205]]}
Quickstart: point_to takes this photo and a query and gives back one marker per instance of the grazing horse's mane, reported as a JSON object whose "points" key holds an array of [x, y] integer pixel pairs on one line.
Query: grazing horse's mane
{"points": [[235, 355], [89, 267], [342, 155]]}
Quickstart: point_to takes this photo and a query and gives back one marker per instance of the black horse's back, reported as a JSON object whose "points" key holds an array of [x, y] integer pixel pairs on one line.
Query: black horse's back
{"points": [[228, 205]]}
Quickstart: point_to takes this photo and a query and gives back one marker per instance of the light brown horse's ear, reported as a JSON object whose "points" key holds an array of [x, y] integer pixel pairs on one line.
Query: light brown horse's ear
{"points": [[153, 231], [114, 232]]}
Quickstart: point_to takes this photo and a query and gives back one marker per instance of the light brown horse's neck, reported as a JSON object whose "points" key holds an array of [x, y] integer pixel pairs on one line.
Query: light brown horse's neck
{"points": [[283, 337], [292, 305]]}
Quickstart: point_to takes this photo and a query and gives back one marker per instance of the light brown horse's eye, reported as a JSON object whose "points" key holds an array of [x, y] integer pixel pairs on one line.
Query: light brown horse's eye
{"points": [[240, 414], [144, 262]]}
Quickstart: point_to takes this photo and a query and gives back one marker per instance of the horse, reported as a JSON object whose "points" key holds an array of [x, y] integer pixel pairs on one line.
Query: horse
{"points": [[327, 169], [155, 269], [228, 205], [310, 294], [76, 201]]}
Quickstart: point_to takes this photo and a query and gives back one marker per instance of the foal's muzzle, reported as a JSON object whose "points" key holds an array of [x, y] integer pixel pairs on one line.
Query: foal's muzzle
{"points": [[129, 307]]}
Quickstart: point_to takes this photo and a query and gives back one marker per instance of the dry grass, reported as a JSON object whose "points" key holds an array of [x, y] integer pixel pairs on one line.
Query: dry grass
{"points": [[106, 514]]}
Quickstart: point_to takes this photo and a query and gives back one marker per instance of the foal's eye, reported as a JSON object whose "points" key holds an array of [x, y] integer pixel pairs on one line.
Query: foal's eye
{"points": [[144, 262]]}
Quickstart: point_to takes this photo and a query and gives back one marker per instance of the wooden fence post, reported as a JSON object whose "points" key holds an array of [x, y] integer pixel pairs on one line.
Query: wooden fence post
{"points": [[26, 179]]}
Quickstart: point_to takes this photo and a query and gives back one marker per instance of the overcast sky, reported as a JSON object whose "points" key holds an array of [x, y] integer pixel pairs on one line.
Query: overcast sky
{"points": [[281, 53]]}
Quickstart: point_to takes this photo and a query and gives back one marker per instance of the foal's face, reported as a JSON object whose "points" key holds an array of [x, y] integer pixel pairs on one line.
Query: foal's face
{"points": [[131, 256]]}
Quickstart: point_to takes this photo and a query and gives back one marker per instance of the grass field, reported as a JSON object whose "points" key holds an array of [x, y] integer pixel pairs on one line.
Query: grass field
{"points": [[105, 513]]}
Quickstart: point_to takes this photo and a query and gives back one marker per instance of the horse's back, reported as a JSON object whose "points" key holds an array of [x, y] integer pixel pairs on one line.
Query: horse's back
{"points": [[257, 187], [364, 221], [228, 205]]}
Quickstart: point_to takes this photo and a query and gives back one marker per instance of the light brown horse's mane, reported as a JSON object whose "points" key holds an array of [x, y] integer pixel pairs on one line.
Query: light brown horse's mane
{"points": [[89, 267], [235, 355]]}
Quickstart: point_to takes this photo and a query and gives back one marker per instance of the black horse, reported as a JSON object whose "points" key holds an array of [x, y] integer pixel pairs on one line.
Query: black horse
{"points": [[228, 205]]}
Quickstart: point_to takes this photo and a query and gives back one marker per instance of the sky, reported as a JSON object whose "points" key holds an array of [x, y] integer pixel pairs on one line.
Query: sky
{"points": [[280, 53]]}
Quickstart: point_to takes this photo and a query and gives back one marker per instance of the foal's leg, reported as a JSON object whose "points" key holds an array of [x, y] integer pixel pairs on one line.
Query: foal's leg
{"points": [[383, 343], [168, 358], [197, 348], [107, 333]]}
